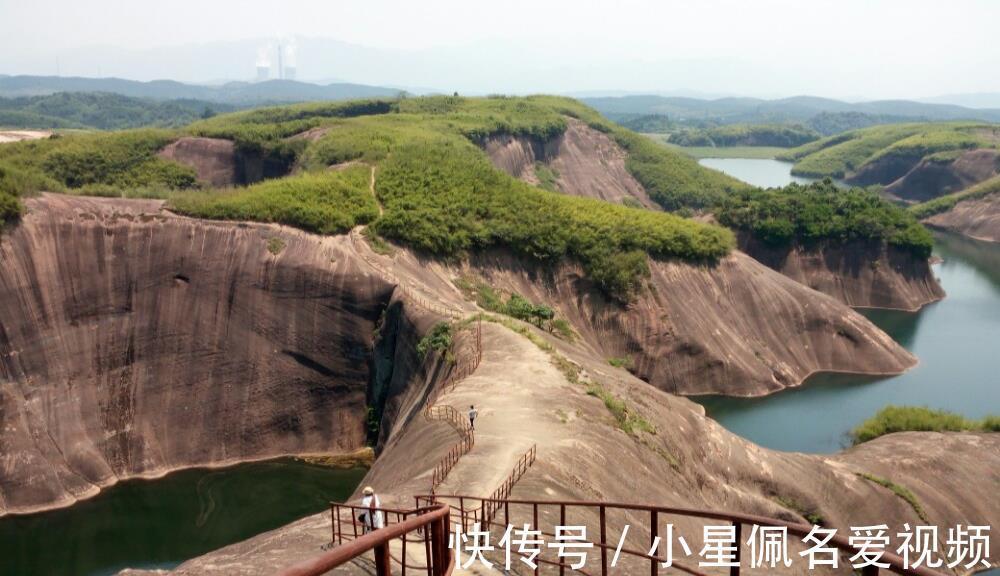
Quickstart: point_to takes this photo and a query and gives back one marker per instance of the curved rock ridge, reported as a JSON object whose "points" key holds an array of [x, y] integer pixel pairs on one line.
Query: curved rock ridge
{"points": [[686, 460], [860, 274], [736, 328], [929, 179], [978, 218], [133, 342], [586, 162]]}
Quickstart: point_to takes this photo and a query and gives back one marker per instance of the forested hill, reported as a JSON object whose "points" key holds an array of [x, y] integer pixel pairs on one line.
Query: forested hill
{"points": [[824, 115], [102, 111], [246, 94]]}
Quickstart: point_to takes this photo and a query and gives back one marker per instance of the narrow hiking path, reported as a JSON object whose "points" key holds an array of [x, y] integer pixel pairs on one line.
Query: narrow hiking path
{"points": [[512, 380], [371, 188]]}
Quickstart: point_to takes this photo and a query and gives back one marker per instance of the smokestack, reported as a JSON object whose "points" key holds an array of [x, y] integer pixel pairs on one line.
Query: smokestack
{"points": [[263, 63], [281, 69]]}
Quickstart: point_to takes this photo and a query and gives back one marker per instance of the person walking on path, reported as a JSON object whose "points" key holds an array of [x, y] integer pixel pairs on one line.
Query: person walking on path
{"points": [[472, 417], [371, 518]]}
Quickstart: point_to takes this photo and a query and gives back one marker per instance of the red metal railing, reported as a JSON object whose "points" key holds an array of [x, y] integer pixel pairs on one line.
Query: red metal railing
{"points": [[486, 511], [595, 514], [452, 416], [430, 525], [411, 295]]}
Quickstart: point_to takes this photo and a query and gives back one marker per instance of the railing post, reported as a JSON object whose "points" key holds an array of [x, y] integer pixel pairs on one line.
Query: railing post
{"points": [[735, 570], [654, 531], [427, 551], [403, 554], [604, 549], [534, 526], [461, 510], [562, 522], [382, 566]]}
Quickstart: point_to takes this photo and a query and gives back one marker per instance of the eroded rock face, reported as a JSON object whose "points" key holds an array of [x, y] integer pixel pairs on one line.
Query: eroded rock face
{"points": [[979, 219], [929, 179], [690, 462], [134, 342], [213, 159], [586, 162], [860, 274], [736, 328]]}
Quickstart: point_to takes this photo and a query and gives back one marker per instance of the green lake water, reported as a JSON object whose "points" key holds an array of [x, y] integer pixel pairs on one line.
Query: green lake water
{"points": [[957, 341], [161, 523]]}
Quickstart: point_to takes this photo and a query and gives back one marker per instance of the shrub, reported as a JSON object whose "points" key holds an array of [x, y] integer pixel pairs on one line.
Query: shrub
{"points": [[324, 202], [439, 339], [910, 418], [822, 212]]}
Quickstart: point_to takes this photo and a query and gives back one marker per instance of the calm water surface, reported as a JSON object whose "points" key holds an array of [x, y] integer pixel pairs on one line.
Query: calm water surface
{"points": [[956, 341], [160, 523], [766, 173]]}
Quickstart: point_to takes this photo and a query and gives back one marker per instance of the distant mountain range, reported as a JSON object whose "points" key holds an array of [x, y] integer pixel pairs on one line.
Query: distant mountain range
{"points": [[798, 109], [233, 93]]}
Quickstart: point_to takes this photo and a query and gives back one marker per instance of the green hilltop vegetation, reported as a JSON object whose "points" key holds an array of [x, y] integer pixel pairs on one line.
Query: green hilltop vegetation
{"points": [[438, 191], [843, 154], [102, 111], [822, 212], [775, 135], [919, 419], [947, 202]]}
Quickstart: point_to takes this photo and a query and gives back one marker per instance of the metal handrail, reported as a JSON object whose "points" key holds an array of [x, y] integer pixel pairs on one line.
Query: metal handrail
{"points": [[841, 542], [433, 522]]}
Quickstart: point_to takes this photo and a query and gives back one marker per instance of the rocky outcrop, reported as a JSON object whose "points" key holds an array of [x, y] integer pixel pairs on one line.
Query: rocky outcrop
{"points": [[860, 274], [735, 328], [584, 161], [687, 460], [220, 163], [133, 342], [932, 178], [213, 159], [978, 218]]}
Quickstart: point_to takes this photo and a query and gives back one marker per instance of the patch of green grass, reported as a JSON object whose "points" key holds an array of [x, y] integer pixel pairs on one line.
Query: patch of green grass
{"points": [[548, 178], [515, 306], [946, 203], [811, 515], [626, 419], [328, 202], [377, 243], [625, 363], [275, 245], [901, 491], [438, 339], [918, 419], [822, 212]]}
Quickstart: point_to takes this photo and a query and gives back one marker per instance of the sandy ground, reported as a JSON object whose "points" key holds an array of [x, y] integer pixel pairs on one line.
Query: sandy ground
{"points": [[18, 135]]}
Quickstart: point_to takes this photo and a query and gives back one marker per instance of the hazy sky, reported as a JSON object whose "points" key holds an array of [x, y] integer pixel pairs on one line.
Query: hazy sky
{"points": [[841, 48]]}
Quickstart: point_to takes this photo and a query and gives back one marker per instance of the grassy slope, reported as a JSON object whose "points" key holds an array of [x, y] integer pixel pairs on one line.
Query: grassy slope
{"points": [[439, 191], [842, 154], [910, 418]]}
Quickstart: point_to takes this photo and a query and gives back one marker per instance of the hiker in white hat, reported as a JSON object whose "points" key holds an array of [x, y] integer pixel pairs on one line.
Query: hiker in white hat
{"points": [[371, 519]]}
